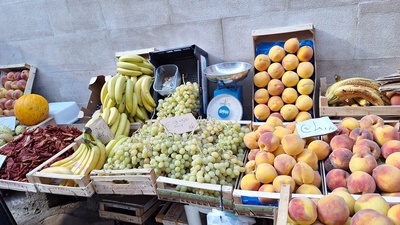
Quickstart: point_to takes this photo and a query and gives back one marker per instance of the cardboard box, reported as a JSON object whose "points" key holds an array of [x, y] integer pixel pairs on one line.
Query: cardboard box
{"points": [[264, 39], [64, 112]]}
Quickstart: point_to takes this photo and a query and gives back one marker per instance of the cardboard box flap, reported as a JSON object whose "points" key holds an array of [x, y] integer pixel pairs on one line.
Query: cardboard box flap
{"points": [[303, 31]]}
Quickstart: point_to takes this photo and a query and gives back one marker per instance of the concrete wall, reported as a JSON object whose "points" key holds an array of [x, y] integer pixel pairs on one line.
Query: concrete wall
{"points": [[70, 41]]}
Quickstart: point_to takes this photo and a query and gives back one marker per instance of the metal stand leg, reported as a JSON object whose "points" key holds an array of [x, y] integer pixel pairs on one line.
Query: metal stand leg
{"points": [[6, 217]]}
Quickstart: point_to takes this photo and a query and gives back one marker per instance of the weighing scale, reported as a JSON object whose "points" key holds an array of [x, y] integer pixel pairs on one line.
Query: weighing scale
{"points": [[227, 101]]}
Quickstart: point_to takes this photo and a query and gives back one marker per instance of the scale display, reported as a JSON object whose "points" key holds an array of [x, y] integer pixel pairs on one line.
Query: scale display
{"points": [[225, 107]]}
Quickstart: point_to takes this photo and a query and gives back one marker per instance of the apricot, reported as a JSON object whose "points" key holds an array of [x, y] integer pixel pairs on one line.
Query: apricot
{"points": [[262, 62], [290, 62], [250, 166], [305, 69], [308, 189], [387, 178], [265, 173], [276, 70], [281, 132], [261, 79], [252, 154], [305, 86], [266, 127], [373, 201], [276, 53], [332, 210], [360, 182], [251, 140], [302, 173], [304, 102], [289, 112], [370, 217], [303, 116], [261, 96], [284, 164], [302, 210], [289, 95], [274, 121], [321, 148], [308, 156], [317, 182], [292, 144], [291, 45], [283, 179], [268, 141], [261, 112], [264, 157], [350, 123], [275, 87], [279, 151], [275, 103], [269, 188], [249, 182], [305, 53]]}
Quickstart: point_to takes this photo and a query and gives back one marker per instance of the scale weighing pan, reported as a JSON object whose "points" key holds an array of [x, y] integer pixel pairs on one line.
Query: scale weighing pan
{"points": [[228, 72]]}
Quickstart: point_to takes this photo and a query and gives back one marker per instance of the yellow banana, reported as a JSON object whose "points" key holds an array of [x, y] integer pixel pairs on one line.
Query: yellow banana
{"points": [[145, 113], [122, 122], [91, 120], [131, 119], [114, 115], [134, 79], [92, 161], [70, 158], [140, 114], [127, 72], [354, 91], [72, 162], [112, 143], [82, 160], [146, 64], [122, 106], [127, 128], [137, 119], [111, 86], [103, 156], [105, 114], [114, 149], [358, 81], [131, 57], [134, 105], [146, 71], [57, 169], [128, 66], [103, 93], [129, 95], [145, 91], [137, 90], [120, 89], [114, 126]]}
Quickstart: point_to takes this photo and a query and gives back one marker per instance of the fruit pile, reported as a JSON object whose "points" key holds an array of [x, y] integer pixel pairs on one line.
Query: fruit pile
{"points": [[284, 81], [365, 156], [14, 84], [279, 156], [7, 135], [340, 207]]}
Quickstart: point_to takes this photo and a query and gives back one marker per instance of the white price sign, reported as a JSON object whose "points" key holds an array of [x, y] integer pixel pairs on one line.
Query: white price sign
{"points": [[180, 124], [315, 127]]}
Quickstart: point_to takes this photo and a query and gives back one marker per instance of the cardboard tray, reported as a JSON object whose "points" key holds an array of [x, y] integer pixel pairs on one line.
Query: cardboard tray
{"points": [[264, 39], [124, 182]]}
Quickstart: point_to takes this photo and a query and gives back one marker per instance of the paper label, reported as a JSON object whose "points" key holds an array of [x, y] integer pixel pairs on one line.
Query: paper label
{"points": [[101, 130], [8, 121], [2, 159], [315, 127], [180, 124]]}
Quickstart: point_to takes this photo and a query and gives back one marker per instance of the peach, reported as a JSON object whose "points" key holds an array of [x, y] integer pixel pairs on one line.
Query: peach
{"points": [[9, 113], [284, 164], [250, 166], [261, 96], [289, 112], [276, 53], [2, 102], [290, 62], [14, 84], [270, 189], [373, 201], [7, 85], [9, 104], [261, 79], [321, 148], [262, 62], [264, 157], [305, 69], [340, 130], [362, 162], [25, 74], [283, 179], [276, 114], [261, 112], [341, 141], [251, 139], [387, 178], [328, 165], [332, 210], [395, 99], [394, 214], [360, 182], [268, 141], [385, 133], [308, 156], [305, 53], [305, 86], [289, 95], [361, 133], [308, 189], [303, 116], [393, 159], [10, 75], [265, 128], [275, 87], [3, 92], [6, 112], [3, 80], [389, 94], [290, 79], [249, 182], [291, 126], [9, 94], [281, 132], [390, 147], [17, 76], [371, 122], [304, 102], [275, 121], [350, 123], [276, 70], [291, 45], [279, 151], [252, 154], [336, 178], [367, 146], [370, 217], [317, 179], [348, 198], [265, 173], [340, 158], [275, 103], [17, 94], [292, 144], [302, 173], [302, 210]]}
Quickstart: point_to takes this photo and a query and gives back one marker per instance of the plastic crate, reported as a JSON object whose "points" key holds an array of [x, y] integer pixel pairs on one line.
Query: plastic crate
{"points": [[191, 62]]}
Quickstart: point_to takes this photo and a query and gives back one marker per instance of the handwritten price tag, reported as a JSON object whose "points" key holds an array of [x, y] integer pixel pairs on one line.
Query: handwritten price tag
{"points": [[315, 127], [101, 130], [180, 124]]}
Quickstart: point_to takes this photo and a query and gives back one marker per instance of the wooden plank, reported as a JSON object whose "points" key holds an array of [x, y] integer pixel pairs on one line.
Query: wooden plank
{"points": [[283, 207]]}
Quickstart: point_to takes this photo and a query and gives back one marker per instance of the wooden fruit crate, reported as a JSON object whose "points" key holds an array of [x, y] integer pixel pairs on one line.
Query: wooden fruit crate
{"points": [[129, 209], [124, 182], [166, 190], [50, 182], [337, 112], [19, 67], [172, 213]]}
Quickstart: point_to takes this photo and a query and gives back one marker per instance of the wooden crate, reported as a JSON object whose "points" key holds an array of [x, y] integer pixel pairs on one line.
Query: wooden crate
{"points": [[50, 182], [125, 182], [338, 112], [172, 213], [166, 190], [19, 67], [129, 209], [17, 186]]}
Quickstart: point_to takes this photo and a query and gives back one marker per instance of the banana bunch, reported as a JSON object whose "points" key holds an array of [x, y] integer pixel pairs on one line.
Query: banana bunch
{"points": [[134, 65], [130, 95], [90, 155], [356, 91]]}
